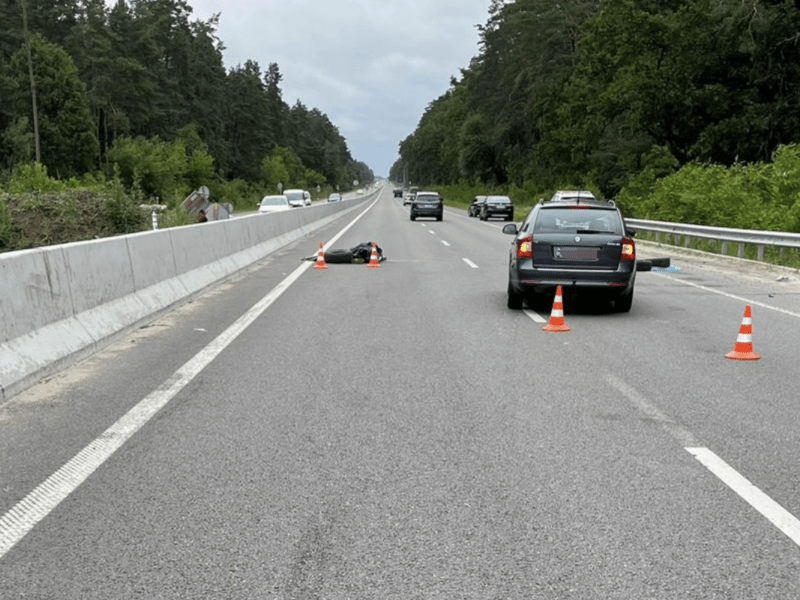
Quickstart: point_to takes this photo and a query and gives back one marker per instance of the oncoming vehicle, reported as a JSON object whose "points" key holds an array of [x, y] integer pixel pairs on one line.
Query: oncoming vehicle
{"points": [[577, 242], [475, 208], [427, 204], [306, 198], [497, 206], [273, 204], [335, 197], [296, 198]]}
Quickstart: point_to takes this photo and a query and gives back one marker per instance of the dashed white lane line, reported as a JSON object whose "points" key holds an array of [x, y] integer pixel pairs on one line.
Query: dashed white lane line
{"points": [[470, 263], [431, 231], [787, 523], [534, 315], [26, 514], [445, 243], [771, 510]]}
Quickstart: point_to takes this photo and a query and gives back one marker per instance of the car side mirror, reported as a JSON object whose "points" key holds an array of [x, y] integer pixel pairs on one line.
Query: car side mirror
{"points": [[511, 229]]}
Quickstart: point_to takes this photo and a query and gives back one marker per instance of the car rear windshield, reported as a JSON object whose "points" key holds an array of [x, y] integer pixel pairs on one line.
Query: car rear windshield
{"points": [[274, 201], [498, 200], [427, 198], [294, 195], [570, 220]]}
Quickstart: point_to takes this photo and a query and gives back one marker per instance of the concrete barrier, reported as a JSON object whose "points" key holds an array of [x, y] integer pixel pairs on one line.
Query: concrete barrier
{"points": [[59, 304]]}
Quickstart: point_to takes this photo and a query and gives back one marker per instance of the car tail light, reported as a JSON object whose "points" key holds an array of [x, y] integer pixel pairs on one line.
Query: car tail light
{"points": [[525, 247], [628, 249]]}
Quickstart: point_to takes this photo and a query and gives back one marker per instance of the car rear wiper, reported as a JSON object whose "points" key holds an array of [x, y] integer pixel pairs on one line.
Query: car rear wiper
{"points": [[590, 231]]}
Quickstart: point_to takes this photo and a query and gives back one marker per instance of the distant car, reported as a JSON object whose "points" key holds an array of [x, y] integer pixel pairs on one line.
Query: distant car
{"points": [[296, 198], [577, 242], [273, 204], [306, 198], [409, 197], [335, 197], [494, 206], [427, 204], [475, 208], [398, 192]]}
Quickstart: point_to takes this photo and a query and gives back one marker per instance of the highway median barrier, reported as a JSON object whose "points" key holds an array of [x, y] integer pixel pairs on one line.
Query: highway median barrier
{"points": [[60, 304]]}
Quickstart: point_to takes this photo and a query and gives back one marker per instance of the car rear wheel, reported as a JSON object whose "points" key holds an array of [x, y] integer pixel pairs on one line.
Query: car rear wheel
{"points": [[515, 299], [413, 217], [439, 217], [624, 303]]}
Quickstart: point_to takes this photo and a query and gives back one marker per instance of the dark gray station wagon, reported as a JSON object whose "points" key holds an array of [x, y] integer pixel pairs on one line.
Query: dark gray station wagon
{"points": [[577, 242]]}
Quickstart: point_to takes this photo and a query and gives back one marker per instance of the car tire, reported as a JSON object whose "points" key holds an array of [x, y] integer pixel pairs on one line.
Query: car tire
{"points": [[483, 217], [413, 217], [624, 303], [515, 299], [439, 217]]}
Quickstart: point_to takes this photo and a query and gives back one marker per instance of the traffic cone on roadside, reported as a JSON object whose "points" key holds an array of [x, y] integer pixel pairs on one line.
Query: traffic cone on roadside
{"points": [[321, 264], [743, 349], [373, 258], [557, 315]]}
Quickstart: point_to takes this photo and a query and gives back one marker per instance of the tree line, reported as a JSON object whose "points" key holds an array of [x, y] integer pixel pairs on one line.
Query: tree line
{"points": [[610, 94], [138, 90]]}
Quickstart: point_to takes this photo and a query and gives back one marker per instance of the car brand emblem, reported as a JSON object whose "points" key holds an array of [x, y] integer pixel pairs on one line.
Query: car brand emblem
{"points": [[577, 238]]}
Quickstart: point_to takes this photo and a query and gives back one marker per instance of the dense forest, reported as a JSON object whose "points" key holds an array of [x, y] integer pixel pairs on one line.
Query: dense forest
{"points": [[137, 91], [617, 95]]}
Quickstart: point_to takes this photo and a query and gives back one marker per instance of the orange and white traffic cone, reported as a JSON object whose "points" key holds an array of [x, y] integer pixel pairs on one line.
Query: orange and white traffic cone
{"points": [[557, 315], [373, 259], [321, 264], [743, 349]]}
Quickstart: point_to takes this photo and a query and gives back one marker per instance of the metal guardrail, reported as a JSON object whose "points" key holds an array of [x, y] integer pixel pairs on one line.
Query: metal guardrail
{"points": [[727, 235]]}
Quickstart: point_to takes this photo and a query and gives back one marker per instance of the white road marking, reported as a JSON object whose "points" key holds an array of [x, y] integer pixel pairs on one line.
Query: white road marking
{"points": [[470, 263], [734, 296], [27, 513], [774, 512], [432, 231], [534, 315], [445, 243]]}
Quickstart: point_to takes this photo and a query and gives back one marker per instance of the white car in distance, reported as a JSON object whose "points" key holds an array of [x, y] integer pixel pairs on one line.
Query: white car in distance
{"points": [[297, 198], [270, 204]]}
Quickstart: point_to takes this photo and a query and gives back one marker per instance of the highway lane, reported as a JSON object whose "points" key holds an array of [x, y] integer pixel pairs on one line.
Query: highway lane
{"points": [[397, 432]]}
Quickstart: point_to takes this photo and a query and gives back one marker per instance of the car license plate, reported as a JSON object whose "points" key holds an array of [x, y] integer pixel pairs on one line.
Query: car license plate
{"points": [[575, 253]]}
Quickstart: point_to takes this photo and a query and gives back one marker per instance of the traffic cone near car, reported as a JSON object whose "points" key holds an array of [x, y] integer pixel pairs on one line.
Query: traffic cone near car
{"points": [[557, 315], [743, 349], [321, 264], [373, 259]]}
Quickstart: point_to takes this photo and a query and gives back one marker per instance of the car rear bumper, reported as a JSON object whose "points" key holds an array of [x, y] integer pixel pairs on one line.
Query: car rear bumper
{"points": [[600, 282]]}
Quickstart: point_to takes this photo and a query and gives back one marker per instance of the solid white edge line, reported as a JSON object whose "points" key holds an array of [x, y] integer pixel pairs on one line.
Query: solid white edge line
{"points": [[774, 512], [470, 263], [34, 507], [734, 296]]}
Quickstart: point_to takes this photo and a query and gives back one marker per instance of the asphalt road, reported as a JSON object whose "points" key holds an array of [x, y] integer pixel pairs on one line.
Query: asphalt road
{"points": [[398, 433]]}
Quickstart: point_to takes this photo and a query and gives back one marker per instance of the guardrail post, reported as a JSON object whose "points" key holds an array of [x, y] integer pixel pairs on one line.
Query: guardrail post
{"points": [[741, 250], [658, 237], [687, 241], [724, 248], [760, 252]]}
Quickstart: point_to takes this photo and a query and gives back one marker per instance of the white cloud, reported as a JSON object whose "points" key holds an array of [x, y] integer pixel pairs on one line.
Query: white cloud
{"points": [[372, 66]]}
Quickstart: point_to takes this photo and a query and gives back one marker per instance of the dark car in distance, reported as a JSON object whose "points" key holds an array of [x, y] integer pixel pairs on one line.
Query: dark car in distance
{"points": [[577, 242], [475, 208], [398, 192], [497, 206], [427, 204]]}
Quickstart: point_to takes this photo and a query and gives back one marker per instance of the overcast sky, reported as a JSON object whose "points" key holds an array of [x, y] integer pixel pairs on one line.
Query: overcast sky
{"points": [[372, 66]]}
